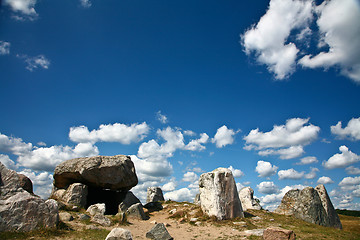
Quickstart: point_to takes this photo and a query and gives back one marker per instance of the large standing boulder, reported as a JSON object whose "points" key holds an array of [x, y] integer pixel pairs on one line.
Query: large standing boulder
{"points": [[311, 205], [154, 194], [106, 172], [218, 194], [334, 220], [129, 200], [246, 196], [21, 210]]}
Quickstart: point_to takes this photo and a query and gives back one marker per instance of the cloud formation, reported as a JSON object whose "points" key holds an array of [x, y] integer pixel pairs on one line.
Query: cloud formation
{"points": [[281, 38], [85, 3], [268, 39], [339, 26], [267, 187], [343, 159], [24, 9], [353, 170], [237, 173], [161, 117], [116, 132], [265, 169], [4, 48], [290, 174], [351, 131], [287, 140], [33, 63], [224, 136], [325, 180], [307, 160]]}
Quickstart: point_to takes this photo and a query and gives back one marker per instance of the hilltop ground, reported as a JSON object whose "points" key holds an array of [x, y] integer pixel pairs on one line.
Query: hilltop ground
{"points": [[182, 225]]}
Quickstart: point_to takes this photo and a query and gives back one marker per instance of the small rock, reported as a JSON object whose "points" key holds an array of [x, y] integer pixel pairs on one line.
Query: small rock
{"points": [[159, 232], [272, 233], [173, 211], [101, 220], [186, 205], [65, 216], [167, 225], [153, 222], [193, 219], [182, 220], [256, 218], [198, 223], [257, 232], [96, 209], [271, 220], [241, 224], [119, 234], [136, 211], [153, 206], [92, 227], [83, 216]]}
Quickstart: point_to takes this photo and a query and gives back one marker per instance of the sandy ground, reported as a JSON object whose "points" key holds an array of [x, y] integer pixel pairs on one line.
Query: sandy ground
{"points": [[180, 227]]}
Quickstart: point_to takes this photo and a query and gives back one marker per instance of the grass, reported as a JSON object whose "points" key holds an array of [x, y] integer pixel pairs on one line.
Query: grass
{"points": [[303, 230]]}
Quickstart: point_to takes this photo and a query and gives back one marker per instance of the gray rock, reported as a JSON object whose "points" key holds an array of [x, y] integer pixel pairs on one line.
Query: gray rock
{"points": [[17, 206], [119, 234], [153, 206], [154, 194], [218, 195], [159, 232], [288, 202], [129, 200], [311, 205], [26, 183], [65, 216], [101, 220], [246, 196], [96, 209], [334, 220], [76, 194], [83, 216], [106, 172], [136, 211], [197, 199], [256, 232]]}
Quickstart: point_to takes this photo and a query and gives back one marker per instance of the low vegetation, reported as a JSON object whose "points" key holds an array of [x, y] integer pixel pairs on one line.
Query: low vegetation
{"points": [[254, 219]]}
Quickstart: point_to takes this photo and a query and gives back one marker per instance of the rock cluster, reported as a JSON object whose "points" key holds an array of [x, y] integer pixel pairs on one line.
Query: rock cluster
{"points": [[311, 205], [102, 179], [246, 196], [20, 209], [218, 195]]}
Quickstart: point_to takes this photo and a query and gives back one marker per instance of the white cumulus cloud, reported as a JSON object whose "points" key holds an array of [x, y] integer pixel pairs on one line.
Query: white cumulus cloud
{"points": [[237, 173], [307, 160], [265, 169], [287, 140], [351, 131], [14, 145], [224, 136], [343, 159], [47, 158], [5, 159], [197, 144], [116, 132], [325, 180], [290, 174], [268, 39], [350, 183], [190, 177], [353, 170], [161, 117], [180, 195], [339, 26], [36, 62], [267, 187], [25, 9]]}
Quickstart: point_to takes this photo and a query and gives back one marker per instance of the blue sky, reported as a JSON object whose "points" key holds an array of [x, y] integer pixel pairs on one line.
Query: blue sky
{"points": [[185, 87]]}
